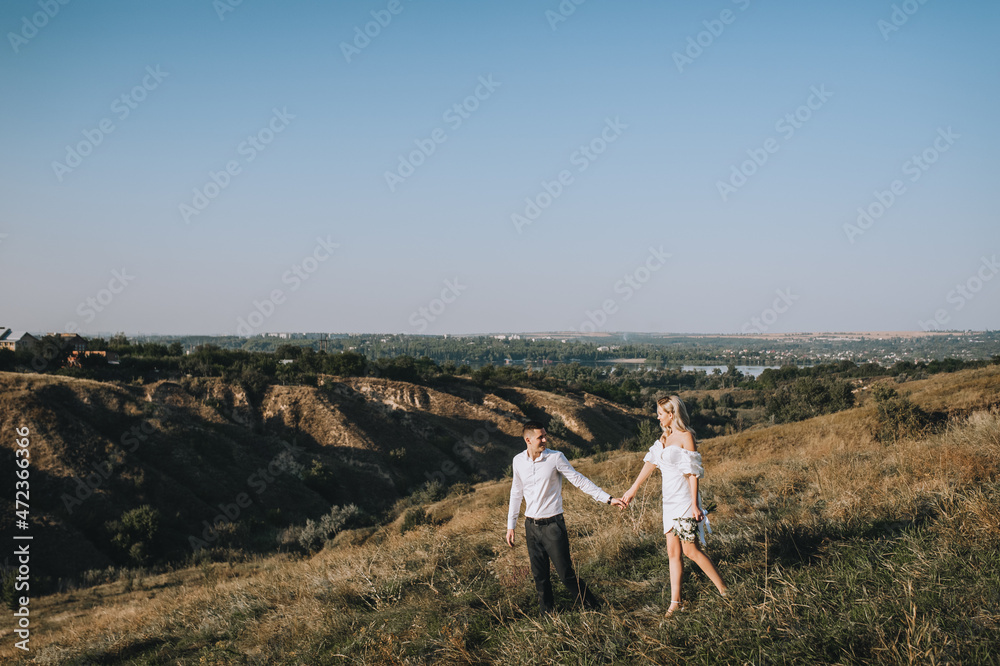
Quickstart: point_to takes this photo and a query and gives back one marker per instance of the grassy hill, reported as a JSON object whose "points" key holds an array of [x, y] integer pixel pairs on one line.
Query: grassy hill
{"points": [[188, 450], [837, 548]]}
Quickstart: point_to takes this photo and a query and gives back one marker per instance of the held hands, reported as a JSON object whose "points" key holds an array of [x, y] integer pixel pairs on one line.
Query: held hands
{"points": [[627, 498], [621, 503]]}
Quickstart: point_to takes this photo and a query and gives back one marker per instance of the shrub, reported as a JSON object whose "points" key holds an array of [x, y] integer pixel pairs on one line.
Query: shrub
{"points": [[315, 533], [8, 597], [632, 444], [321, 479], [460, 488], [649, 431], [135, 532], [253, 380], [431, 491], [896, 417], [809, 397], [414, 517], [557, 427]]}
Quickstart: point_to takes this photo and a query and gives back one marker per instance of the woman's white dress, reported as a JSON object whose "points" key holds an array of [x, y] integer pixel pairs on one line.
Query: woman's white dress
{"points": [[675, 465]]}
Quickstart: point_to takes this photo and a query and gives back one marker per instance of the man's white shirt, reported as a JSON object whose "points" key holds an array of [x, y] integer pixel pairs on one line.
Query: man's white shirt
{"points": [[539, 483]]}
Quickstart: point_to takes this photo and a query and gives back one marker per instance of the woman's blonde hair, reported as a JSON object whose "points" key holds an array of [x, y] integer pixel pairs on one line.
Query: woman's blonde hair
{"points": [[674, 405]]}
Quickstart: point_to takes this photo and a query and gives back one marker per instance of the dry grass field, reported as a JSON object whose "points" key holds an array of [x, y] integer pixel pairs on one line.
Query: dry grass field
{"points": [[837, 549]]}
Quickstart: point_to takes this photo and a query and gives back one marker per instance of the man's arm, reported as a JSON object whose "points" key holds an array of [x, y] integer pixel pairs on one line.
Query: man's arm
{"points": [[514, 507], [582, 482]]}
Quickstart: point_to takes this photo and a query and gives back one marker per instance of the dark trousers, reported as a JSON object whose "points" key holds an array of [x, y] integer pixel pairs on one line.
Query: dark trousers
{"points": [[547, 540]]}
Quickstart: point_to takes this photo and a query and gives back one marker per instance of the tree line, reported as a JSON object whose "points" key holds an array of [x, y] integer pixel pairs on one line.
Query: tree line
{"points": [[777, 395]]}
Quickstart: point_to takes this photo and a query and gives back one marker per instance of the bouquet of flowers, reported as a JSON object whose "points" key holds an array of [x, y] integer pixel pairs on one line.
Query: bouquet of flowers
{"points": [[686, 528]]}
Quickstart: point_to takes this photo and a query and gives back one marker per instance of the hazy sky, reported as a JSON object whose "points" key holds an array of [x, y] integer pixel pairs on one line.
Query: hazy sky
{"points": [[176, 167]]}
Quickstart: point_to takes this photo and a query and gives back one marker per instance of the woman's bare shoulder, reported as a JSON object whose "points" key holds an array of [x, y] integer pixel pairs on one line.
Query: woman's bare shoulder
{"points": [[687, 441]]}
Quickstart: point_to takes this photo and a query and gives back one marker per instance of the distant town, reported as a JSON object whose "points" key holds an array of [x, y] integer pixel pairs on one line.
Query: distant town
{"points": [[651, 349]]}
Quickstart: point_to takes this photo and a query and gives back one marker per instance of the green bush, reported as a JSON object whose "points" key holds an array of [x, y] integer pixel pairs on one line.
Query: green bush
{"points": [[8, 596], [809, 397], [896, 417], [321, 479], [460, 488], [632, 444], [649, 431], [557, 427], [429, 492], [414, 517], [315, 533], [135, 533]]}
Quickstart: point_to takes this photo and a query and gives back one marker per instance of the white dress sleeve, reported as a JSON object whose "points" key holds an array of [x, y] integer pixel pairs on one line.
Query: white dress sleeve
{"points": [[688, 462], [652, 456]]}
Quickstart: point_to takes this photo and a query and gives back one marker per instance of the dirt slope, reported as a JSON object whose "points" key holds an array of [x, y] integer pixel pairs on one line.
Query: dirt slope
{"points": [[100, 450]]}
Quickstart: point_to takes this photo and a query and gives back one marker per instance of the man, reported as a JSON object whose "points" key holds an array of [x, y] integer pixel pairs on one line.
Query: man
{"points": [[538, 475]]}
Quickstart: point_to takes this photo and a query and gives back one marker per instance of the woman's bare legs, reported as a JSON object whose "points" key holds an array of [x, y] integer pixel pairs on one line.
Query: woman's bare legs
{"points": [[696, 555], [676, 569]]}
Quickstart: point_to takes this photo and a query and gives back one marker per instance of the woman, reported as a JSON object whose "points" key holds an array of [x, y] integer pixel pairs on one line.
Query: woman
{"points": [[676, 454]]}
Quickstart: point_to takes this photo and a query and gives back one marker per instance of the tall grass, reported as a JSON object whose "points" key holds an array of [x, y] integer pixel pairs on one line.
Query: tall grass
{"points": [[837, 549]]}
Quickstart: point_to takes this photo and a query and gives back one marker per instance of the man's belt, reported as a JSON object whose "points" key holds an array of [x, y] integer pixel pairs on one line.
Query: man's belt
{"points": [[543, 521]]}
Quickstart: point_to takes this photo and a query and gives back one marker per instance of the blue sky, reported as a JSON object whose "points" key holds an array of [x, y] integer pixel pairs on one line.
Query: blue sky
{"points": [[210, 84]]}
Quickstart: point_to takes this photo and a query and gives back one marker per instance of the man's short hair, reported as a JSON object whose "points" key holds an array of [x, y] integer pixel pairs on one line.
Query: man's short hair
{"points": [[532, 425]]}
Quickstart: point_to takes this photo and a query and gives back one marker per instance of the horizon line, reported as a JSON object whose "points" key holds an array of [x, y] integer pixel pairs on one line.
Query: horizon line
{"points": [[550, 334]]}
